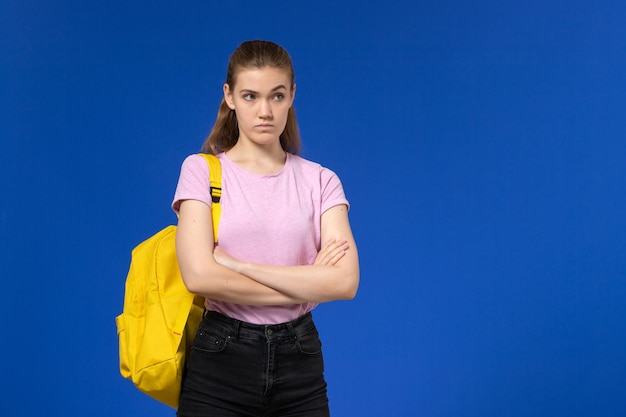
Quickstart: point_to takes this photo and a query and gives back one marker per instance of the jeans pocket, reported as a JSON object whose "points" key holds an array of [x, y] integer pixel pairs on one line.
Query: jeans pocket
{"points": [[210, 339], [309, 343]]}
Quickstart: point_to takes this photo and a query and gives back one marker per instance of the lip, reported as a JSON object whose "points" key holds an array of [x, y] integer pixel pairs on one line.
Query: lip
{"points": [[264, 126]]}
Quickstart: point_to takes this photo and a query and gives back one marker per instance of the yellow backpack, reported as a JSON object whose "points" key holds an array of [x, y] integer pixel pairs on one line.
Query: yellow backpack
{"points": [[160, 317]]}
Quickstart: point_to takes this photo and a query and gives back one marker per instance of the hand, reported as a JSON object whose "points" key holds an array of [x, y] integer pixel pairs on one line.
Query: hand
{"points": [[331, 252], [225, 259]]}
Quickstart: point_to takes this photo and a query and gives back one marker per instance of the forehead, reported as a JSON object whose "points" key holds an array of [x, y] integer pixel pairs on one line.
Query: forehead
{"points": [[261, 79]]}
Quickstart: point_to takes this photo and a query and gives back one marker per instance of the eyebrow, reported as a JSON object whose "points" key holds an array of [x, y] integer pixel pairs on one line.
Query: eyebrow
{"points": [[247, 90]]}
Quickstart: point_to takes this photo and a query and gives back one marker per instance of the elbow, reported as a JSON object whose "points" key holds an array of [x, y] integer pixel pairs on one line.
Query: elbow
{"points": [[349, 281], [351, 293], [194, 281], [192, 286], [349, 290]]}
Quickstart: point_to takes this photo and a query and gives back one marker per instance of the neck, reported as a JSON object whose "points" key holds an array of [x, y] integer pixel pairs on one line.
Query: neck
{"points": [[258, 159]]}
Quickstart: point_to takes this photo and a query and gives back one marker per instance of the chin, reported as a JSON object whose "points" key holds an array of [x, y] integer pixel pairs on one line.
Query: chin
{"points": [[265, 139]]}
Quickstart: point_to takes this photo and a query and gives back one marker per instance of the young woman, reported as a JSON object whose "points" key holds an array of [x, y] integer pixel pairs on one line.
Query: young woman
{"points": [[285, 245]]}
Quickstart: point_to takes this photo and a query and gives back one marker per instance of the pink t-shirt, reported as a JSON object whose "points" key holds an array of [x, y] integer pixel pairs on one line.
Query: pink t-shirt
{"points": [[266, 219]]}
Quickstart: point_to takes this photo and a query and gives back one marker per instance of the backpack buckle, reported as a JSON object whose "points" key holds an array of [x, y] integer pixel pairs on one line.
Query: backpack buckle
{"points": [[216, 194]]}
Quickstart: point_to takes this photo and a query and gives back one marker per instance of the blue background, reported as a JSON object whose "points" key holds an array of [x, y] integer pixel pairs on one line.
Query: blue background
{"points": [[482, 146]]}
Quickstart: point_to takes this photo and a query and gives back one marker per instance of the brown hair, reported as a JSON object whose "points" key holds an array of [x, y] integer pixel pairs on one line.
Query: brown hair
{"points": [[252, 54]]}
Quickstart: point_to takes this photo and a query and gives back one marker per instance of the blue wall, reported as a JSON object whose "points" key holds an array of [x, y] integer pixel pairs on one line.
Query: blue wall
{"points": [[482, 146]]}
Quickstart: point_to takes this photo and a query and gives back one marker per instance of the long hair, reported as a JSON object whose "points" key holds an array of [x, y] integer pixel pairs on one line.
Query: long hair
{"points": [[252, 54]]}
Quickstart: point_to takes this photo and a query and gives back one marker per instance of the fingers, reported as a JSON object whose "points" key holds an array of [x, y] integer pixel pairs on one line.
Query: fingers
{"points": [[331, 252], [335, 257]]}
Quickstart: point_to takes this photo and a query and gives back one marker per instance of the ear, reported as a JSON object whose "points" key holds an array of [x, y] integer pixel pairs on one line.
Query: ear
{"points": [[293, 93], [228, 97]]}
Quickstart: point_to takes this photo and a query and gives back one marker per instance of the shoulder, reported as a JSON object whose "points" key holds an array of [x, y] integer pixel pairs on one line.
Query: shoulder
{"points": [[193, 161], [324, 179], [308, 166], [196, 165], [302, 163], [194, 169], [193, 183]]}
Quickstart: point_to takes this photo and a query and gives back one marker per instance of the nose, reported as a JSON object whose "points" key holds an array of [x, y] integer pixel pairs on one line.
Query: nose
{"points": [[265, 109]]}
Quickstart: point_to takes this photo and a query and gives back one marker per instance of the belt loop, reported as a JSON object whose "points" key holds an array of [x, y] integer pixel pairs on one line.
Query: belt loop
{"points": [[292, 331], [236, 327]]}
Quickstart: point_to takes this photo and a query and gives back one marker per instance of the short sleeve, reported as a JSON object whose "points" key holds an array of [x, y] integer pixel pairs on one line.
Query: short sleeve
{"points": [[332, 190], [193, 182]]}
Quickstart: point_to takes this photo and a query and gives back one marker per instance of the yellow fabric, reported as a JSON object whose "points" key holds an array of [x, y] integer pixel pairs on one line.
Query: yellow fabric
{"points": [[160, 317]]}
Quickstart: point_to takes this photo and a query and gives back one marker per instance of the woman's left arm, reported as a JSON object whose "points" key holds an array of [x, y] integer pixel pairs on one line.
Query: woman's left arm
{"points": [[315, 283]]}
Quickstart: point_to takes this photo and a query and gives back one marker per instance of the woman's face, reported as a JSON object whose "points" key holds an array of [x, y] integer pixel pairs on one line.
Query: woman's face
{"points": [[261, 98]]}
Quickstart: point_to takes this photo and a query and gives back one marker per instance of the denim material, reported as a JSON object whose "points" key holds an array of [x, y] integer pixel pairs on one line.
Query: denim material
{"points": [[242, 369]]}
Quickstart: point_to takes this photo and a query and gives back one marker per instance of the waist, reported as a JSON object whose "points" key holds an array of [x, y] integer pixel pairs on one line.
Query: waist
{"points": [[289, 329], [260, 314]]}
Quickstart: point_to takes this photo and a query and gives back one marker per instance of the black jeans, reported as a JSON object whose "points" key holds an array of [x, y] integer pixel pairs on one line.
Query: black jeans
{"points": [[241, 369]]}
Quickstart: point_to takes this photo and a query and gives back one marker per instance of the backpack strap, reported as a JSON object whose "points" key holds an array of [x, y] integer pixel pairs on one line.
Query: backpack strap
{"points": [[215, 178]]}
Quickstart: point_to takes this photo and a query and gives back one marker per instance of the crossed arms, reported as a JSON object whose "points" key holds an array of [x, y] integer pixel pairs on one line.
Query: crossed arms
{"points": [[333, 276]]}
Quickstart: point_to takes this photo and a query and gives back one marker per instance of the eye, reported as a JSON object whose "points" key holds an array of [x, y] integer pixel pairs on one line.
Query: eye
{"points": [[279, 96], [248, 97]]}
